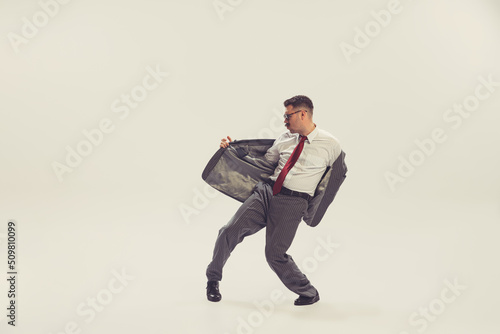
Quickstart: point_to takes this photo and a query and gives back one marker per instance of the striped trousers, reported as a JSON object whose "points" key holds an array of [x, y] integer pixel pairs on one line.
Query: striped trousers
{"points": [[281, 216]]}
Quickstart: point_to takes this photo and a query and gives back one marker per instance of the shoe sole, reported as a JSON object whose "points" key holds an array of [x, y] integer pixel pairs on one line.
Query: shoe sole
{"points": [[215, 300], [315, 300]]}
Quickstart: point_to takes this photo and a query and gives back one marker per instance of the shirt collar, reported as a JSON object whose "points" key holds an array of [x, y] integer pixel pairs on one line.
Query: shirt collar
{"points": [[310, 137], [313, 134]]}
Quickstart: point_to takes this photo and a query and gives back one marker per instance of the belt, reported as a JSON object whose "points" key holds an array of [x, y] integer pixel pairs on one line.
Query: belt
{"points": [[289, 192]]}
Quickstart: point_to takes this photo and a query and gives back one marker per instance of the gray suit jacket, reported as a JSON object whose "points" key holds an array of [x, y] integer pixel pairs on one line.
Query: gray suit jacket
{"points": [[236, 170]]}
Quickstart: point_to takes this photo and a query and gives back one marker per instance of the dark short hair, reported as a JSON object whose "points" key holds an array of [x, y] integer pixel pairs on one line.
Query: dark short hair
{"points": [[300, 101]]}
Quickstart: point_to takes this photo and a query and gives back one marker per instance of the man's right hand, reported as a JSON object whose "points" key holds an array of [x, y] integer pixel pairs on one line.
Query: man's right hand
{"points": [[225, 142]]}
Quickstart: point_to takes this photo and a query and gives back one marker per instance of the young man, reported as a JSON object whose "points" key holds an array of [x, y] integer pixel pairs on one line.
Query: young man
{"points": [[302, 155]]}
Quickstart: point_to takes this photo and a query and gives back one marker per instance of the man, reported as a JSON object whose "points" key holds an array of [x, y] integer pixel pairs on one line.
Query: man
{"points": [[302, 155]]}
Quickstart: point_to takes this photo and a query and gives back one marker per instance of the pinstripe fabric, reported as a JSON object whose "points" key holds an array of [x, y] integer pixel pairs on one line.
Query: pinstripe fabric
{"points": [[236, 170], [281, 215]]}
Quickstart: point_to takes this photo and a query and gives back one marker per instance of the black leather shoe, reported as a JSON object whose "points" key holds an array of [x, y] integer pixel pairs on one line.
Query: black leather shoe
{"points": [[213, 293], [302, 300]]}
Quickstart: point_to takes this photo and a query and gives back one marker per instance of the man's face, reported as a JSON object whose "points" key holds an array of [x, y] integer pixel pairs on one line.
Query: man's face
{"points": [[294, 123]]}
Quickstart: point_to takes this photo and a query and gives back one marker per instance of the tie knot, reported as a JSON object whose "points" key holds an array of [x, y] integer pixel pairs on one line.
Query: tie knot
{"points": [[303, 138]]}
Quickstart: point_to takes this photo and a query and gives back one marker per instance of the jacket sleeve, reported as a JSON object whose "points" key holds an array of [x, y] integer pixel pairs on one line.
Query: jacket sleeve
{"points": [[326, 190]]}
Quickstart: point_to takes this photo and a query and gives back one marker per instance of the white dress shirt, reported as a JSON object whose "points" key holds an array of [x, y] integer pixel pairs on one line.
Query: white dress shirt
{"points": [[320, 150]]}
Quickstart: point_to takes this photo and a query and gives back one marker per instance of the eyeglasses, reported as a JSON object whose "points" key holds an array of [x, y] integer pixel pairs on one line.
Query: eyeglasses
{"points": [[287, 116]]}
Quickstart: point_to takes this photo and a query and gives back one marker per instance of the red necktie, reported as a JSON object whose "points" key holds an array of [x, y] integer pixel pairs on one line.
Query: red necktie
{"points": [[289, 164]]}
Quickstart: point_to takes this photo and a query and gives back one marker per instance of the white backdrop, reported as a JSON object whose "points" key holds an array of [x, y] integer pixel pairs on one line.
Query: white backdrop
{"points": [[110, 111]]}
